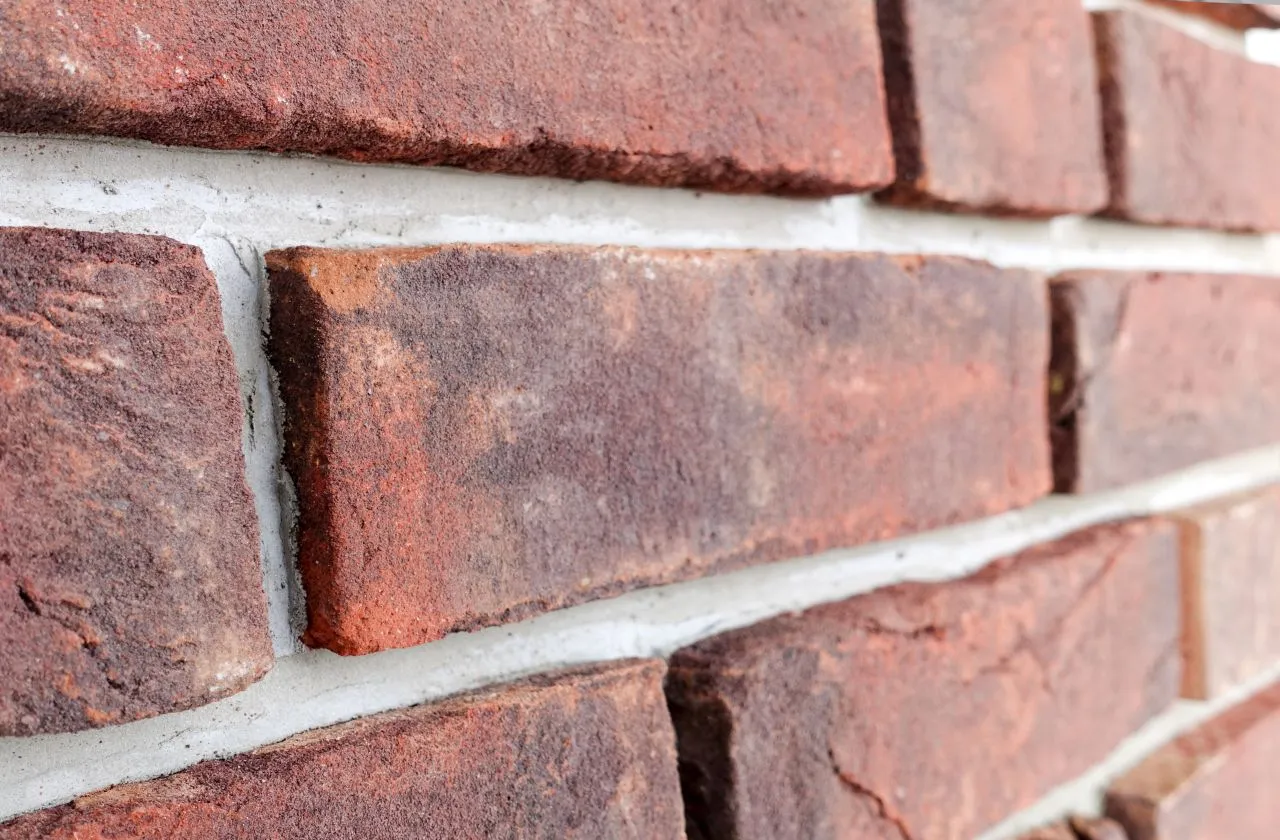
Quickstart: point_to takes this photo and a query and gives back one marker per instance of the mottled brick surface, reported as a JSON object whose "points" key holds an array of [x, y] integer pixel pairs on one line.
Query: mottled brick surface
{"points": [[481, 433], [1189, 137], [1154, 372], [734, 95], [994, 105], [930, 711], [130, 583], [1217, 782], [582, 755], [1231, 592]]}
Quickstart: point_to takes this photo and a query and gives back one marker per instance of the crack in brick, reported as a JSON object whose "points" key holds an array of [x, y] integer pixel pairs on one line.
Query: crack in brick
{"points": [[862, 791]]}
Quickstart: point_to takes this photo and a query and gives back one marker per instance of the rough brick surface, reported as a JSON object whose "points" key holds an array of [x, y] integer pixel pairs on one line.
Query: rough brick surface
{"points": [[994, 105], [1234, 15], [1154, 372], [481, 433], [1217, 782], [586, 755], [130, 583], [735, 95], [1231, 592], [1187, 141], [930, 711]]}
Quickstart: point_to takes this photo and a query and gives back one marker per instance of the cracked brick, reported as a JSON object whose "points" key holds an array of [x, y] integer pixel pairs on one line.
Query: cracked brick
{"points": [[971, 132], [651, 93], [1154, 372], [1187, 141], [845, 722], [586, 754], [479, 434], [130, 583], [1216, 781]]}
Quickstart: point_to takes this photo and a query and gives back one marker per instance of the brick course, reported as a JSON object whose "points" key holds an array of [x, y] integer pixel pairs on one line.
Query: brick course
{"points": [[930, 710], [733, 95], [582, 755], [130, 582], [482, 433]]}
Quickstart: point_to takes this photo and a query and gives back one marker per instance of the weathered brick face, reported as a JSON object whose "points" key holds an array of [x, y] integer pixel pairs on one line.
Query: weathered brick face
{"points": [[130, 583], [994, 105], [1154, 372], [583, 755], [1231, 591], [1188, 138], [481, 433], [730, 95], [930, 710], [1217, 781]]}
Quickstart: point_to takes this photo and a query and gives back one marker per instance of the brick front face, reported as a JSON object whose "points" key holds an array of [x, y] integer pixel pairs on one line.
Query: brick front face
{"points": [[130, 583], [482, 433]]}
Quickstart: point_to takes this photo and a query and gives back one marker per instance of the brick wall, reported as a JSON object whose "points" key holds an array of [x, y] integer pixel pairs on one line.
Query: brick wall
{"points": [[811, 419]]}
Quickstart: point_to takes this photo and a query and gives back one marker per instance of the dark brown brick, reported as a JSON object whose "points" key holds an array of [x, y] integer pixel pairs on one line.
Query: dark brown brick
{"points": [[994, 105], [930, 710], [1099, 828], [1188, 142], [1231, 592], [732, 95], [1216, 782], [130, 582], [1153, 372], [482, 433], [1234, 15], [584, 755]]}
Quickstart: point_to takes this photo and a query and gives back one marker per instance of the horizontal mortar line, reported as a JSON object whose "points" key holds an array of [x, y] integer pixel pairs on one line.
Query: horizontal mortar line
{"points": [[275, 201], [317, 688], [1084, 794]]}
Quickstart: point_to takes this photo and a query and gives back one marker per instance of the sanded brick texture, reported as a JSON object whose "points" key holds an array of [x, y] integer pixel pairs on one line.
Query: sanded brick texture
{"points": [[481, 433], [582, 755], [1154, 372], [1234, 15], [1231, 592], [1190, 134], [930, 710], [994, 105], [130, 582], [1217, 782], [734, 95]]}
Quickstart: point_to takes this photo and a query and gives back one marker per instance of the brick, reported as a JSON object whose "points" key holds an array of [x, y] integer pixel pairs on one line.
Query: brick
{"points": [[1234, 15], [731, 95], [1057, 831], [577, 756], [930, 710], [1078, 828], [478, 434], [1231, 592], [1154, 372], [130, 583], [994, 105], [1217, 781], [1180, 117]]}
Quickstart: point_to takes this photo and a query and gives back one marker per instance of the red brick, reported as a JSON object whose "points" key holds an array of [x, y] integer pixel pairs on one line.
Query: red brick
{"points": [[733, 95], [1234, 15], [1057, 831], [1078, 828], [994, 105], [481, 433], [1188, 135], [930, 710], [1214, 783], [1154, 372], [1231, 592], [130, 583], [587, 754]]}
